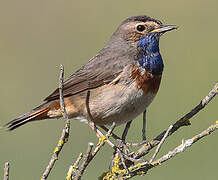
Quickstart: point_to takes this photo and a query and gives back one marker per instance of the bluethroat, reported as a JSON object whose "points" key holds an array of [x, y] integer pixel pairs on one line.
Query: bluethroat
{"points": [[122, 79]]}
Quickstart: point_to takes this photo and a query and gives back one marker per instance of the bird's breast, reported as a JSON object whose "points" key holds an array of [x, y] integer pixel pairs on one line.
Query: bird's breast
{"points": [[145, 80], [125, 98]]}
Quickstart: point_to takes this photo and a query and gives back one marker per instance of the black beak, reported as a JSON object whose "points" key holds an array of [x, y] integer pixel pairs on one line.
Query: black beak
{"points": [[164, 29]]}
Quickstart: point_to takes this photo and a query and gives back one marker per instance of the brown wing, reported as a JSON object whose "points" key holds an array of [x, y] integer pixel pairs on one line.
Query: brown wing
{"points": [[100, 70], [76, 85]]}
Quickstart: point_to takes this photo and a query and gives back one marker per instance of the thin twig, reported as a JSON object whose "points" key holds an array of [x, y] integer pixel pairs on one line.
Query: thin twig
{"points": [[160, 144], [72, 169], [131, 144], [100, 134], [184, 121], [63, 108], [112, 134], [119, 140], [142, 168], [78, 160], [90, 155], [65, 132], [134, 144], [6, 171], [122, 160], [188, 143], [85, 162], [100, 144]]}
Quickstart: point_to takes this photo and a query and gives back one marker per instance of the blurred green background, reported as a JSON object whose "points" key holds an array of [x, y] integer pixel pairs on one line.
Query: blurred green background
{"points": [[36, 36]]}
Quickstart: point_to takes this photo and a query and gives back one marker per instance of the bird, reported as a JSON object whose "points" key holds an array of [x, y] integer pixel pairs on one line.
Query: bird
{"points": [[117, 84]]}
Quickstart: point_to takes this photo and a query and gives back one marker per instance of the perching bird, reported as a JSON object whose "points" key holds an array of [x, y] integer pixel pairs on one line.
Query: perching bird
{"points": [[121, 80]]}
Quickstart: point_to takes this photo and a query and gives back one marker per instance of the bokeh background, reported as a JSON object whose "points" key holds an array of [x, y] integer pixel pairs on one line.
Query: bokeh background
{"points": [[36, 36]]}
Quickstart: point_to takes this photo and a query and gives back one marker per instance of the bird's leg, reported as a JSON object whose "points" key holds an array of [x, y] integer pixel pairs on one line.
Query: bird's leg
{"points": [[144, 126], [143, 132], [126, 131], [143, 129], [121, 142]]}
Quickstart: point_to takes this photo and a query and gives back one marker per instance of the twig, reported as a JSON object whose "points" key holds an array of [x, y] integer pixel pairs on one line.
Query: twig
{"points": [[112, 134], [122, 160], [63, 108], [65, 133], [72, 169], [160, 144], [90, 155], [6, 171], [85, 162], [78, 160], [184, 121], [188, 143], [101, 143], [131, 144], [100, 134], [142, 168]]}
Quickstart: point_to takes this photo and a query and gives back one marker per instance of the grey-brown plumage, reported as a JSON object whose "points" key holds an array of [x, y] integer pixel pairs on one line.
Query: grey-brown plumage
{"points": [[120, 87]]}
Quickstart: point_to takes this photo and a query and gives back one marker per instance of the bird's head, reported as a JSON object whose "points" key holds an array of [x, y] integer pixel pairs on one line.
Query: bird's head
{"points": [[141, 34], [137, 27]]}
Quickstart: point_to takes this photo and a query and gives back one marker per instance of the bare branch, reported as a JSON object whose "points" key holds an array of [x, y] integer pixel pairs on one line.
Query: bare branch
{"points": [[89, 155], [99, 134], [72, 170], [6, 171], [63, 109], [188, 143], [113, 135], [101, 143], [142, 168], [160, 144], [85, 162], [184, 121], [65, 132]]}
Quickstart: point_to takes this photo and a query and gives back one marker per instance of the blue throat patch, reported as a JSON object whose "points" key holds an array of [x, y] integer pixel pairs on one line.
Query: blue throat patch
{"points": [[150, 58]]}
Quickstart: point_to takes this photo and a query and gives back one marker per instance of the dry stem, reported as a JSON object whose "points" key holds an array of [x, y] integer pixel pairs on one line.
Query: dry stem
{"points": [[6, 171], [142, 168], [90, 155], [65, 132]]}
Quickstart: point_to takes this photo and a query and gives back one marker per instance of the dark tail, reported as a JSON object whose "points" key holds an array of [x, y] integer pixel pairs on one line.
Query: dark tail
{"points": [[36, 114]]}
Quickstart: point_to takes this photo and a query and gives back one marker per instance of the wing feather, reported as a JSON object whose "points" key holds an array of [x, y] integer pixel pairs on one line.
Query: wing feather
{"points": [[100, 70]]}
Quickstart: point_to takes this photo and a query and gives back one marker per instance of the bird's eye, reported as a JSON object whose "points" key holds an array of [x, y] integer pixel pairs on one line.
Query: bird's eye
{"points": [[140, 28]]}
